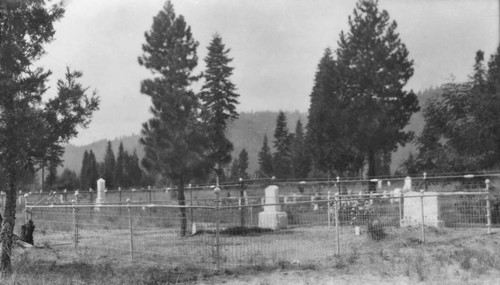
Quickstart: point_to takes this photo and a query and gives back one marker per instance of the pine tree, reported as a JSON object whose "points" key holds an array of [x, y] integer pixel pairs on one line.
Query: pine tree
{"points": [[300, 159], [235, 170], [31, 125], [330, 143], [84, 172], [51, 178], [265, 160], [243, 164], [93, 172], [282, 144], [375, 68], [68, 180], [174, 139], [133, 170], [119, 166], [219, 99], [109, 167]]}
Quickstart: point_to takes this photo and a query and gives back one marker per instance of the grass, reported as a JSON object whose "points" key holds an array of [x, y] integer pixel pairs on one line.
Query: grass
{"points": [[296, 256]]}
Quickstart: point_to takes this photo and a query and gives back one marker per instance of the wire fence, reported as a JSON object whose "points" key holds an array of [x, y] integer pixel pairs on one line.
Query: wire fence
{"points": [[229, 232]]}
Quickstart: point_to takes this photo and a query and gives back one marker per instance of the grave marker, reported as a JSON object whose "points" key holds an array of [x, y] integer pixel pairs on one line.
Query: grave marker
{"points": [[272, 217], [413, 204]]}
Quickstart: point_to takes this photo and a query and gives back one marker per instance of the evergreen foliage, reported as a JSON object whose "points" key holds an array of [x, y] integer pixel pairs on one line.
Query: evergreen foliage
{"points": [[219, 99], [84, 172], [31, 126], [330, 141], [119, 167], [358, 106], [300, 158], [462, 132], [67, 180], [92, 172], [265, 160], [235, 169], [243, 164], [174, 138], [109, 166], [282, 156], [375, 68]]}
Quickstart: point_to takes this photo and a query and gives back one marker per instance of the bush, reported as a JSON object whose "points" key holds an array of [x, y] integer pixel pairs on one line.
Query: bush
{"points": [[376, 229]]}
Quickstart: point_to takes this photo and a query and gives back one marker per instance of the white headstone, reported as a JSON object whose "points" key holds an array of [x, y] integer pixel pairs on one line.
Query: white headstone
{"points": [[379, 184], [396, 193], [413, 205], [101, 186], [272, 217], [272, 199], [407, 186]]}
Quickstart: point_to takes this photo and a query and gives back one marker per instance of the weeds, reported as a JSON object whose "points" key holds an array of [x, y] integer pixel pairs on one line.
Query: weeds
{"points": [[475, 261]]}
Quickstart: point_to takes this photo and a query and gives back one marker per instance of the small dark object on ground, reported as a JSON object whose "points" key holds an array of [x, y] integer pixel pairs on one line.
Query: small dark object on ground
{"points": [[376, 229], [236, 231], [243, 231], [27, 232]]}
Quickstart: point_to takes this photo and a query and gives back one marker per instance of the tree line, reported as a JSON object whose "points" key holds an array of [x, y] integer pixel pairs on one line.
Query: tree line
{"points": [[122, 170]]}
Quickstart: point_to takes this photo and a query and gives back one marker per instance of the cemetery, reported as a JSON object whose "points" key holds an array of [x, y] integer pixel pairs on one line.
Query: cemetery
{"points": [[235, 232]]}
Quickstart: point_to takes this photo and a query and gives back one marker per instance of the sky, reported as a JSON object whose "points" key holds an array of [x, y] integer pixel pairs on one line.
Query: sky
{"points": [[275, 45]]}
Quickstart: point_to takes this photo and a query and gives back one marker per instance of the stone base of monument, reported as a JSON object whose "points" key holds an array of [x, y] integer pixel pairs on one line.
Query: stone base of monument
{"points": [[428, 222], [273, 220]]}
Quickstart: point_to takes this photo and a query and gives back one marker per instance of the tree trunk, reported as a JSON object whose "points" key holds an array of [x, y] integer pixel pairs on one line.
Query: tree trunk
{"points": [[6, 234], [372, 186], [182, 203]]}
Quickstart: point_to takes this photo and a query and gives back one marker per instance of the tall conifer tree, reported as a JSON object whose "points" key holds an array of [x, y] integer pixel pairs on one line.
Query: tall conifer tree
{"points": [[84, 172], [93, 171], [31, 125], [282, 144], [300, 159], [109, 166], [243, 164], [375, 68], [174, 138], [219, 100], [265, 160], [120, 160]]}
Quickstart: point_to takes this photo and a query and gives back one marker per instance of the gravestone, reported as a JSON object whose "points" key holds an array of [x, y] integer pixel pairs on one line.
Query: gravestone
{"points": [[101, 198], [412, 209], [407, 185], [272, 217]]}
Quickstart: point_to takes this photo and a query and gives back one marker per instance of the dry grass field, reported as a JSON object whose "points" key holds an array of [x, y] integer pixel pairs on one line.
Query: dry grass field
{"points": [[304, 255]]}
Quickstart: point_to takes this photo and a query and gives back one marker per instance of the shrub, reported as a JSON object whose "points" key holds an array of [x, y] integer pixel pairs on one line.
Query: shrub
{"points": [[376, 229]]}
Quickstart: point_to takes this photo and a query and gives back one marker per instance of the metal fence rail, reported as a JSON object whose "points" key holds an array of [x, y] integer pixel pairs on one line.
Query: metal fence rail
{"points": [[227, 233]]}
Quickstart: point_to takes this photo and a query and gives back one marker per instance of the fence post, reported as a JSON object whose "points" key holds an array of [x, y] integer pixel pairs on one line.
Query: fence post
{"points": [[131, 231], [336, 209], [242, 202], [338, 183], [75, 223], [425, 181], [26, 211], [120, 199], [488, 206], [217, 225], [328, 211], [422, 209]]}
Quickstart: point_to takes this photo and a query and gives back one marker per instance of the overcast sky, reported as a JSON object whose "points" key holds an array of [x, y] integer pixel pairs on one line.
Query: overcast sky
{"points": [[276, 46]]}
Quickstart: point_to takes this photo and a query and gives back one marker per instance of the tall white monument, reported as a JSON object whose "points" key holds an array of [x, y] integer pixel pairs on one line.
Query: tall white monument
{"points": [[272, 217], [101, 196]]}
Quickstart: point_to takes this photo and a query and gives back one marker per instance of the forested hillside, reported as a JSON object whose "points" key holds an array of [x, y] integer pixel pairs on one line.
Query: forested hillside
{"points": [[246, 132]]}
